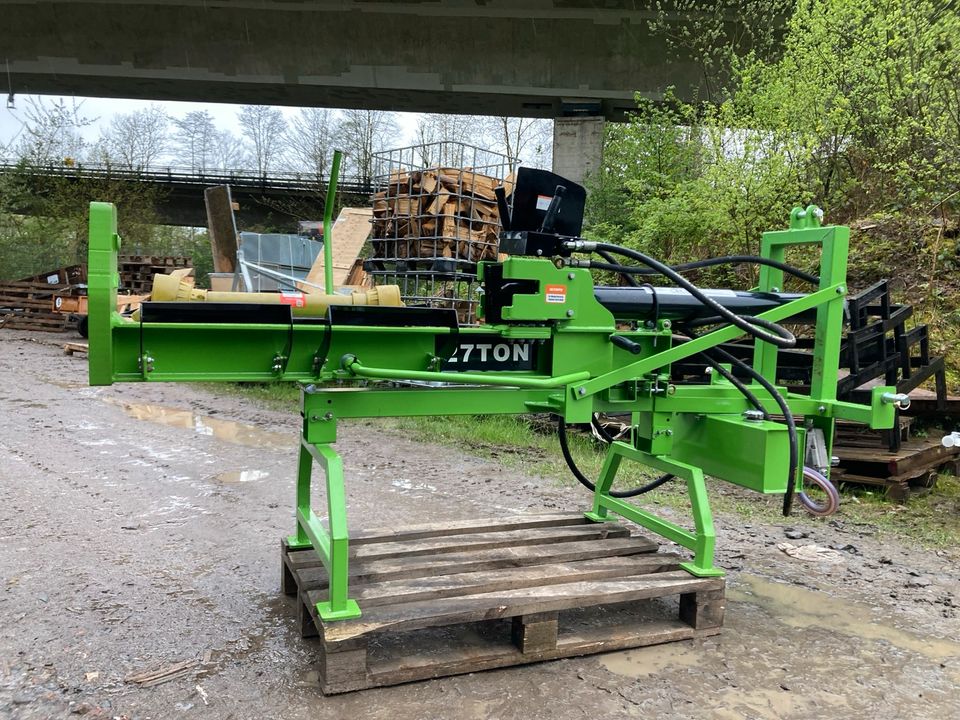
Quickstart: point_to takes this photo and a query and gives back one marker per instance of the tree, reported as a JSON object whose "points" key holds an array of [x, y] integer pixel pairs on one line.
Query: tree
{"points": [[361, 133], [53, 133], [194, 140], [227, 151], [527, 140], [264, 128], [440, 137], [716, 34], [858, 113], [136, 140], [310, 140]]}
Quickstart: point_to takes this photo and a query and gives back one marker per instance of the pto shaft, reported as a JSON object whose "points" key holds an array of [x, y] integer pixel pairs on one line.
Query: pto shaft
{"points": [[170, 288]]}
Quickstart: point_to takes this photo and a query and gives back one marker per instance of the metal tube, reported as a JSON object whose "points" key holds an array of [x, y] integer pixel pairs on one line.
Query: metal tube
{"points": [[328, 224], [352, 365]]}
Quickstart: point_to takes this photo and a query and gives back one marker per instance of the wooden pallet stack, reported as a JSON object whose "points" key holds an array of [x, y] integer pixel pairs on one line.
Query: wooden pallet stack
{"points": [[451, 598], [438, 213], [27, 304], [866, 458], [137, 271]]}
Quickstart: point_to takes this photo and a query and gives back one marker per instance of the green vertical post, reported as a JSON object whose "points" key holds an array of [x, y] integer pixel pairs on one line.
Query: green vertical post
{"points": [[340, 605], [102, 280], [328, 223], [304, 474], [771, 280], [829, 332]]}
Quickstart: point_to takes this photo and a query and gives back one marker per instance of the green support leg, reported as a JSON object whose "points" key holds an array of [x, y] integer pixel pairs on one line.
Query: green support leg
{"points": [[300, 541], [332, 547], [701, 541], [611, 464]]}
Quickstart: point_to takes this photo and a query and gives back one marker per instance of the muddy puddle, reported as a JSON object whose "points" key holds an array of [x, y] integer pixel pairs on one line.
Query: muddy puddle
{"points": [[791, 605], [801, 607], [652, 660], [239, 476], [229, 431]]}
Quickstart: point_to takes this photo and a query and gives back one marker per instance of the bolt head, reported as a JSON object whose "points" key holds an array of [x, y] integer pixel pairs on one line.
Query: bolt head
{"points": [[581, 391], [569, 313], [571, 276]]}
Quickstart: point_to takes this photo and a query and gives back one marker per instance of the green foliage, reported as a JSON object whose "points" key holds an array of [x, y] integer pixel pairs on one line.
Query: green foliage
{"points": [[859, 113]]}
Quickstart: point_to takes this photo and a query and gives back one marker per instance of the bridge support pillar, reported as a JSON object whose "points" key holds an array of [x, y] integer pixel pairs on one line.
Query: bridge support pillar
{"points": [[577, 146]]}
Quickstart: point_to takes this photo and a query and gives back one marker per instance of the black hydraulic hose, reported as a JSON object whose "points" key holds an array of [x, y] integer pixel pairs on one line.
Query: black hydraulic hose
{"points": [[601, 430], [571, 463], [760, 329], [726, 260], [631, 280]]}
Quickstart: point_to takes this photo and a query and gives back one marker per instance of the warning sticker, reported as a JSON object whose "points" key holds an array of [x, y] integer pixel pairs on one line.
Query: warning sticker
{"points": [[556, 293], [288, 297], [543, 202]]}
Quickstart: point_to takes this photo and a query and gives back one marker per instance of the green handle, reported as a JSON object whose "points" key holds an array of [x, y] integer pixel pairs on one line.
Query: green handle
{"points": [[353, 366], [328, 224]]}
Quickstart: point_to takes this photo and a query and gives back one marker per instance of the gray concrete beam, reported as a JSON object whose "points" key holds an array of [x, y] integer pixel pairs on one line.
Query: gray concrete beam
{"points": [[513, 57]]}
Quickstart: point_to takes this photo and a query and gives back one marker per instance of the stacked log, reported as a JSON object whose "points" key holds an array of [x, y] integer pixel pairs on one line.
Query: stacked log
{"points": [[437, 213]]}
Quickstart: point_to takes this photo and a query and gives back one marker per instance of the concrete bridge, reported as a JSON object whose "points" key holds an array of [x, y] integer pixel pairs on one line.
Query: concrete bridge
{"points": [[533, 58], [275, 201]]}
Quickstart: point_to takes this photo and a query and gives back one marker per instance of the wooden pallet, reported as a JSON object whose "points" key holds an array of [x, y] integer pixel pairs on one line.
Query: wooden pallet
{"points": [[452, 598], [914, 465]]}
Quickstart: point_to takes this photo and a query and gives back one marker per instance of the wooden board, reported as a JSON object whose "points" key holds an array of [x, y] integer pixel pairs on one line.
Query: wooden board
{"points": [[350, 232], [450, 598], [75, 347], [222, 227]]}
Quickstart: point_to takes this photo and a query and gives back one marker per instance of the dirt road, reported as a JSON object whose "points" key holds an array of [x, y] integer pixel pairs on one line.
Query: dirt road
{"points": [[139, 526]]}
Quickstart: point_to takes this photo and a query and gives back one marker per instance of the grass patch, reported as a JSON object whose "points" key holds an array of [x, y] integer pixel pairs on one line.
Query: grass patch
{"points": [[931, 518], [275, 396]]}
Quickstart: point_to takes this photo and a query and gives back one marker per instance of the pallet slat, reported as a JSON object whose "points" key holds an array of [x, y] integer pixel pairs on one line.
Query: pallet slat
{"points": [[410, 590], [449, 563], [508, 603]]}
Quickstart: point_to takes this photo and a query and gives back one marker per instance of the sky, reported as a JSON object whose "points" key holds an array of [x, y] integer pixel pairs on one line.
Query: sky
{"points": [[100, 110]]}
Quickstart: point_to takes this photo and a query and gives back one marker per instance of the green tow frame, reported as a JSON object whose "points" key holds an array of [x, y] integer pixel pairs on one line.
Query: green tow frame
{"points": [[691, 431]]}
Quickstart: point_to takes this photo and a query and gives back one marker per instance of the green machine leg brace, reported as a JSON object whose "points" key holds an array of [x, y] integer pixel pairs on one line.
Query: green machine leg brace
{"points": [[701, 541], [332, 546]]}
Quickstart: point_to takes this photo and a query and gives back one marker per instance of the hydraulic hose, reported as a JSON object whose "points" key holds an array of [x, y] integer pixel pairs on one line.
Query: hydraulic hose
{"points": [[572, 464], [831, 502], [761, 329], [631, 280], [724, 260]]}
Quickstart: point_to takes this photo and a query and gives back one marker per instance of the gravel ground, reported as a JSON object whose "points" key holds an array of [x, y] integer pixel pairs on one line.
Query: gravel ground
{"points": [[139, 527]]}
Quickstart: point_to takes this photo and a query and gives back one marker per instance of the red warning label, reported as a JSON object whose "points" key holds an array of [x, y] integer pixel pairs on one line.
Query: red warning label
{"points": [[556, 293], [292, 298]]}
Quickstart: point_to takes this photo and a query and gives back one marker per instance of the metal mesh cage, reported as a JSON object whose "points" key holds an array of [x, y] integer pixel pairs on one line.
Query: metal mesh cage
{"points": [[434, 218]]}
